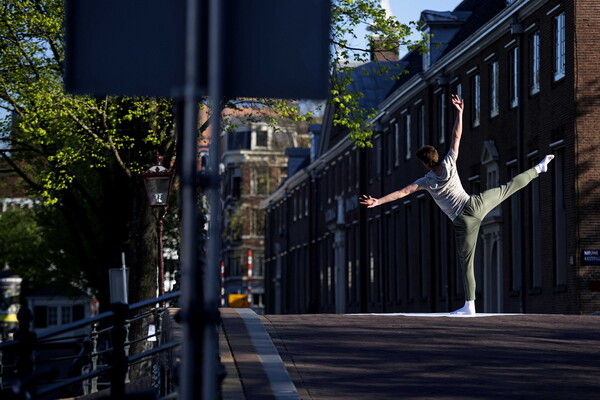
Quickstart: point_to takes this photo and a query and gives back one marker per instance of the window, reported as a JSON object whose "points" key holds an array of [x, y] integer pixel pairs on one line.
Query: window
{"points": [[514, 76], [239, 140], [261, 139], [494, 86], [407, 134], [397, 144], [257, 222], [65, 315], [458, 90], [491, 180], [536, 233], [389, 151], [236, 182], [427, 54], [534, 68], [476, 102], [408, 245], [424, 251], [295, 206], [560, 222], [559, 46], [260, 182], [52, 312], [441, 114], [516, 238], [421, 122], [378, 156]]}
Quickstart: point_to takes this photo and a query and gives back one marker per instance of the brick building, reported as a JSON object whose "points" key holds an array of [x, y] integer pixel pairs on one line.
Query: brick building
{"points": [[253, 164], [529, 75]]}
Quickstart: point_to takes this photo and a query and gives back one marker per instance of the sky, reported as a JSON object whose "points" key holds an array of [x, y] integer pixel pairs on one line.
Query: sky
{"points": [[410, 10]]}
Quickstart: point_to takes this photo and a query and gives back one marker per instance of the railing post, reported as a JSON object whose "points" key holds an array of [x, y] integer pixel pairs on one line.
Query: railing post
{"points": [[126, 347], [26, 340], [94, 356], [119, 358]]}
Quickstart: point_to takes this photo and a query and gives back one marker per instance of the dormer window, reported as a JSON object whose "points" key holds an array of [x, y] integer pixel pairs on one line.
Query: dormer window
{"points": [[427, 54], [261, 139], [440, 27]]}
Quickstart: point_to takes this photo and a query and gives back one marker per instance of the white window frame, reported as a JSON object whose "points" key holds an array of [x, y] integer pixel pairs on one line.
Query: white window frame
{"points": [[396, 143], [476, 82], [514, 76], [254, 138], [426, 57], [494, 88], [559, 46], [442, 117], [534, 73], [421, 112], [407, 135]]}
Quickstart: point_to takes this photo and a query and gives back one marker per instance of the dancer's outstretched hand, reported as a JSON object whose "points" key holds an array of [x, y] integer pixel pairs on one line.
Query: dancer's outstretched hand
{"points": [[458, 102], [369, 201]]}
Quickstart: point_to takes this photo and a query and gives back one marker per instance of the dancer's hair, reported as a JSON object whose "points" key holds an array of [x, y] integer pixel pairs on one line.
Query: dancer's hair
{"points": [[429, 155]]}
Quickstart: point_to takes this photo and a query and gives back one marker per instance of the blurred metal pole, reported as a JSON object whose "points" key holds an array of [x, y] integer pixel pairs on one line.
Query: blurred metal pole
{"points": [[190, 376], [211, 298]]}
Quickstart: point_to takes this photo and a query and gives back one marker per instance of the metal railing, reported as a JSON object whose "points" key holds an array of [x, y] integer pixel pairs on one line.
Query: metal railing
{"points": [[32, 366]]}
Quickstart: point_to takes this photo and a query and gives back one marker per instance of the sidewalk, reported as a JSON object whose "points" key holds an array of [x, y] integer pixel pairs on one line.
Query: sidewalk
{"points": [[411, 356]]}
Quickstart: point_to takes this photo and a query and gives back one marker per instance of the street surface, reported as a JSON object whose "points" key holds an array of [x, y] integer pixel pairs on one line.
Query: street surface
{"points": [[427, 356]]}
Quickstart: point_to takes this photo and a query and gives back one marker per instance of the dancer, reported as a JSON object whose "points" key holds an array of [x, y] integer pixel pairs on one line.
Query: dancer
{"points": [[466, 212]]}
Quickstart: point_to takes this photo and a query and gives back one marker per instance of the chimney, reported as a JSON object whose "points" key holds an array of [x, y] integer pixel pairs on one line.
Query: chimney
{"points": [[379, 52], [378, 49]]}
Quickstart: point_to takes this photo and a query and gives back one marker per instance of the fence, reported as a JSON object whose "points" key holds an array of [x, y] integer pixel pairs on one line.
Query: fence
{"points": [[45, 367]]}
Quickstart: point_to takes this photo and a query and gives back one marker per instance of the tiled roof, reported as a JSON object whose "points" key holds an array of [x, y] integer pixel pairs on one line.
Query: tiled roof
{"points": [[374, 82]]}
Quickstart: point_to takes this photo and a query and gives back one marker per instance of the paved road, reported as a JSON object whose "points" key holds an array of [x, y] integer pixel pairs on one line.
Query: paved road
{"points": [[425, 356]]}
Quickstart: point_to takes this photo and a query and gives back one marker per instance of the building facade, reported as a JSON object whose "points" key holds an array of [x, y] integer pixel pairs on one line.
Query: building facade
{"points": [[253, 163], [529, 77]]}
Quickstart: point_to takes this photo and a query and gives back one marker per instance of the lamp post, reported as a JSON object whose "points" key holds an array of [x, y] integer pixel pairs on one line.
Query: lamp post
{"points": [[157, 182]]}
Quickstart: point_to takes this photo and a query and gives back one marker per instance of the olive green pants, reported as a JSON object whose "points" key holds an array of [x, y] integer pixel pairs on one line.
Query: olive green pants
{"points": [[467, 223]]}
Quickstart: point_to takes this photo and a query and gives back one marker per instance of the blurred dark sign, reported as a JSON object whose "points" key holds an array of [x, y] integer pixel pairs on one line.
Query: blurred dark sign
{"points": [[271, 48], [590, 257]]}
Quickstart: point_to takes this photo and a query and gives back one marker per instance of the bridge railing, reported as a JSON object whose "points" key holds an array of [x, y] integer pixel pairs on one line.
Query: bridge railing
{"points": [[59, 363]]}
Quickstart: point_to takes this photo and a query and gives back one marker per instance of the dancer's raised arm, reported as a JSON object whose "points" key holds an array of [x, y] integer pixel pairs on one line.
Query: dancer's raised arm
{"points": [[459, 104]]}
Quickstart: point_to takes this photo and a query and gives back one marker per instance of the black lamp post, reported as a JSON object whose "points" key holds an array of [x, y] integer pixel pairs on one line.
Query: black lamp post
{"points": [[157, 182]]}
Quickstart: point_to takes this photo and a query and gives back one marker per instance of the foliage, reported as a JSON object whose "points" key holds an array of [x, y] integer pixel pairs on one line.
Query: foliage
{"points": [[21, 243], [81, 155], [347, 17]]}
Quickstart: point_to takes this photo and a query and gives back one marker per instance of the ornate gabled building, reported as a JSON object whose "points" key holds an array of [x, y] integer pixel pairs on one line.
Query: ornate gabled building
{"points": [[528, 73]]}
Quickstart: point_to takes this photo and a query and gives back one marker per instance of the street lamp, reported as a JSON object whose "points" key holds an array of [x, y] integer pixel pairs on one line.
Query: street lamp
{"points": [[157, 182]]}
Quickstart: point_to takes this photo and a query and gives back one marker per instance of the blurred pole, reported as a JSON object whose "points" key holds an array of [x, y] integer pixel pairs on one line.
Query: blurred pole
{"points": [[190, 371], [211, 283]]}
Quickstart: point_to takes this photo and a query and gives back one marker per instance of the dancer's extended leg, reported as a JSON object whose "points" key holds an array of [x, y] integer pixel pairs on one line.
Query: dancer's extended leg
{"points": [[468, 222], [543, 165]]}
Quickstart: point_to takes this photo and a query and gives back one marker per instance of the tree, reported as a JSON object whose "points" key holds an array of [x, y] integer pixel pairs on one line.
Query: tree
{"points": [[386, 34], [82, 155]]}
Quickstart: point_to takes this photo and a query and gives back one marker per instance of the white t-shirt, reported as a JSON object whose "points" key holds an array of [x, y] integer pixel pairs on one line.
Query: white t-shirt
{"points": [[446, 189]]}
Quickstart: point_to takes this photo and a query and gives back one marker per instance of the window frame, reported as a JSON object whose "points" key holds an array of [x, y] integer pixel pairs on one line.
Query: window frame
{"points": [[535, 62], [559, 46]]}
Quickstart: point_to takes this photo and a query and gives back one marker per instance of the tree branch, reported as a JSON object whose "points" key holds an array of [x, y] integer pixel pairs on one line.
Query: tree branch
{"points": [[20, 172]]}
